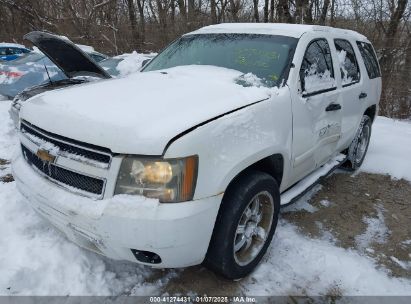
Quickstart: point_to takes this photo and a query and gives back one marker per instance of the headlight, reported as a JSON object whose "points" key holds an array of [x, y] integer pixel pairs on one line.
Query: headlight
{"points": [[169, 180]]}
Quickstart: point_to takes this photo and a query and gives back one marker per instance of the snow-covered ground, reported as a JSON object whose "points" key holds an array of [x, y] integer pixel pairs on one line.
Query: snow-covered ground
{"points": [[35, 259]]}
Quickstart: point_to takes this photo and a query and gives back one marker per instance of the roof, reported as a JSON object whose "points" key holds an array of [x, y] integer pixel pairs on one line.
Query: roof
{"points": [[284, 29], [13, 45]]}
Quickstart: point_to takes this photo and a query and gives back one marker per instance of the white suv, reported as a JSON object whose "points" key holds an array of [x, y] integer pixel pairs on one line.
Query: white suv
{"points": [[185, 162]]}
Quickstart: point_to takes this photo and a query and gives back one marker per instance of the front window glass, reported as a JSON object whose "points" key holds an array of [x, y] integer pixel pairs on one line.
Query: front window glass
{"points": [[316, 72], [265, 56]]}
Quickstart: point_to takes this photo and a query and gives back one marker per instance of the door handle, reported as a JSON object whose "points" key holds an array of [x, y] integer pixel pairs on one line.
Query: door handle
{"points": [[362, 95], [333, 107]]}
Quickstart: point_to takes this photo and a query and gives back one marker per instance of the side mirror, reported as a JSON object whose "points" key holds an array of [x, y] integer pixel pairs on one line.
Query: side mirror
{"points": [[145, 61]]}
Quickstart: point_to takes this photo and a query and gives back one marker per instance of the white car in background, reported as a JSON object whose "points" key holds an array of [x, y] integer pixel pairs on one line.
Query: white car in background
{"points": [[190, 160]]}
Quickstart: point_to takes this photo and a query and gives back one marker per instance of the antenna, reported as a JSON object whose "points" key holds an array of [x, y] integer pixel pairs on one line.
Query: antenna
{"points": [[47, 71]]}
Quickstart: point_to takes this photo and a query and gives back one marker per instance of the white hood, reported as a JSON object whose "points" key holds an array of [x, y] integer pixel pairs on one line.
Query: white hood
{"points": [[141, 113]]}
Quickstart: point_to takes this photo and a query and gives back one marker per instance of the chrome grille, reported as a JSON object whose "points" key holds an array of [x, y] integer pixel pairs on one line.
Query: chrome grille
{"points": [[73, 179], [69, 146]]}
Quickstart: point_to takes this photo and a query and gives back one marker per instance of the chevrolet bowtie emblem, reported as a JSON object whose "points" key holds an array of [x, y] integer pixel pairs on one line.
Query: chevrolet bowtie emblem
{"points": [[45, 156]]}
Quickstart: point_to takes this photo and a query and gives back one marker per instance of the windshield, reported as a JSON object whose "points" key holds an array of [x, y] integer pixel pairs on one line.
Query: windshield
{"points": [[265, 56]]}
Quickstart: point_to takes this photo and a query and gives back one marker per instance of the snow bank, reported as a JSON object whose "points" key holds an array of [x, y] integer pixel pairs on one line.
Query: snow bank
{"points": [[390, 149], [8, 139], [36, 259]]}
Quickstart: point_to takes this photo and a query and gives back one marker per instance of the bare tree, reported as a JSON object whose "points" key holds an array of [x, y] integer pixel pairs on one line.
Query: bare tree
{"points": [[255, 8]]}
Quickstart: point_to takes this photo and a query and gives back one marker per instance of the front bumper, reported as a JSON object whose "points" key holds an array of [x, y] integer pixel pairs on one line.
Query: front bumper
{"points": [[178, 233]]}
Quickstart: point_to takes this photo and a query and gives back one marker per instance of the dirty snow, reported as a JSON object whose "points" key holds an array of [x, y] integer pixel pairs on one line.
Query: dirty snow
{"points": [[297, 264], [35, 259], [376, 232]]}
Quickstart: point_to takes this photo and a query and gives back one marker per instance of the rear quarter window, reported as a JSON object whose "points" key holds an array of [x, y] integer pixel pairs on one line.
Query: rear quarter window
{"points": [[370, 60]]}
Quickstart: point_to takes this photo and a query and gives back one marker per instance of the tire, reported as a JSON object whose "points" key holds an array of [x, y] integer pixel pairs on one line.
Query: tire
{"points": [[238, 208], [359, 146]]}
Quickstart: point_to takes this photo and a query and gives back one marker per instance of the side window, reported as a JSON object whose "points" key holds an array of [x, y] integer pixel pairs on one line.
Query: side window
{"points": [[9, 51], [316, 72], [16, 51], [350, 73], [370, 60]]}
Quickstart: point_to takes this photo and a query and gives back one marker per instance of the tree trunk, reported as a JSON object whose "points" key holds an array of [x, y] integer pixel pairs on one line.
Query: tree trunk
{"points": [[234, 10], [388, 55], [283, 9], [332, 13], [266, 10], [324, 12], [133, 23], [162, 18], [395, 19], [183, 10], [213, 5], [191, 13], [255, 7], [272, 6], [140, 7]]}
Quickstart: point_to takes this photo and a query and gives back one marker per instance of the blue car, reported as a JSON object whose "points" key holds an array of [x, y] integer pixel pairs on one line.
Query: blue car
{"points": [[12, 51]]}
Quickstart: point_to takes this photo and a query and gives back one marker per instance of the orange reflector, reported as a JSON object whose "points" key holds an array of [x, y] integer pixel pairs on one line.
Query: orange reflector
{"points": [[189, 178]]}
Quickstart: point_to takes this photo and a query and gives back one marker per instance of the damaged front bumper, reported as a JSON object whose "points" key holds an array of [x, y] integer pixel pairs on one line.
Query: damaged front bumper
{"points": [[129, 228]]}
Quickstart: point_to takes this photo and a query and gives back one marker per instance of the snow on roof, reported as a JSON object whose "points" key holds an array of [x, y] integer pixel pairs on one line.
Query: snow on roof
{"points": [[292, 30], [15, 45]]}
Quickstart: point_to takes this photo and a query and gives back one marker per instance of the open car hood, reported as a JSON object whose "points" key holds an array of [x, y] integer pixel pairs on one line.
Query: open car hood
{"points": [[66, 55]]}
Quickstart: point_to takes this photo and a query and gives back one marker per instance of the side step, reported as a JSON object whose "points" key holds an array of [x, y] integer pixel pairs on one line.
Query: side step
{"points": [[294, 193]]}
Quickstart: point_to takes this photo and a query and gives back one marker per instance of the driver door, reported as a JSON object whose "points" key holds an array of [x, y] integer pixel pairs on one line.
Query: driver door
{"points": [[317, 110]]}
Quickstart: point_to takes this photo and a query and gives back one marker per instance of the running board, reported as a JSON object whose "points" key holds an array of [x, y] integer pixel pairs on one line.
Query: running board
{"points": [[294, 193]]}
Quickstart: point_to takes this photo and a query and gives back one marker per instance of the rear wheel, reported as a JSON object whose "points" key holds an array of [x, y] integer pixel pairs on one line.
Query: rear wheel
{"points": [[359, 146], [245, 225]]}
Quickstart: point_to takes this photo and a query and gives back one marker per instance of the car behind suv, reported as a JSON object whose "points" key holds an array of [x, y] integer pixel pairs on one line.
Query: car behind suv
{"points": [[190, 160]]}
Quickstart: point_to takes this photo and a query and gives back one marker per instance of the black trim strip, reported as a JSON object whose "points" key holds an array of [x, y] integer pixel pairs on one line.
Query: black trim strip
{"points": [[206, 122], [350, 84], [319, 92]]}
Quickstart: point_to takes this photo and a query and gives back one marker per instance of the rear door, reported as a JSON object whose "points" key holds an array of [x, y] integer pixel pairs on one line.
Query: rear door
{"points": [[353, 91], [317, 109]]}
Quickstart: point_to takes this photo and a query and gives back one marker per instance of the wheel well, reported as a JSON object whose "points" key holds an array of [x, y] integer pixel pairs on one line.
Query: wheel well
{"points": [[272, 165], [371, 111]]}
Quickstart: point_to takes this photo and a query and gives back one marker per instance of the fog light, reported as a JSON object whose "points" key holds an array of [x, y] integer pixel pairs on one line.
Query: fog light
{"points": [[146, 256]]}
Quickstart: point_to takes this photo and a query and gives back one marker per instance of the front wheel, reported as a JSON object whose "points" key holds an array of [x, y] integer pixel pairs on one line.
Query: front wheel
{"points": [[359, 146], [245, 225]]}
